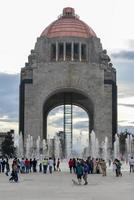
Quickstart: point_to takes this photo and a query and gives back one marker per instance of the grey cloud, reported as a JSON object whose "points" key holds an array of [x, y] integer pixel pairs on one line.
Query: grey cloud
{"points": [[9, 120], [124, 128], [81, 125], [77, 111], [57, 122], [76, 125], [124, 55], [58, 109], [122, 121], [126, 89], [125, 71], [9, 96], [123, 61], [126, 105]]}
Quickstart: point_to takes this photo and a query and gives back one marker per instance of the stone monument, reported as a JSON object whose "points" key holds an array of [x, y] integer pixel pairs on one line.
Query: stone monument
{"points": [[68, 66]]}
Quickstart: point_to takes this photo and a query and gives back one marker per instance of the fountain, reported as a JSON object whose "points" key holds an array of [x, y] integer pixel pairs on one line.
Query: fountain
{"points": [[29, 147], [116, 147], [44, 148], [94, 145], [105, 149], [57, 147], [20, 146], [38, 141], [129, 144], [52, 147]]}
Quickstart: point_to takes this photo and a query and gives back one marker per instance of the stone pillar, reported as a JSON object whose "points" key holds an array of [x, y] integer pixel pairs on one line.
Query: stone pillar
{"points": [[57, 52], [72, 51], [80, 51], [64, 51]]}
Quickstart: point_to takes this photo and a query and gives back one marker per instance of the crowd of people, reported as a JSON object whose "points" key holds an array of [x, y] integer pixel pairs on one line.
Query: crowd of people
{"points": [[83, 167], [94, 165], [27, 166], [80, 167]]}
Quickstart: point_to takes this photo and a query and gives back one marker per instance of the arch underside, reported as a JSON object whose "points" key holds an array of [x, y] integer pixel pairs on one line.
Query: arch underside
{"points": [[67, 97]]}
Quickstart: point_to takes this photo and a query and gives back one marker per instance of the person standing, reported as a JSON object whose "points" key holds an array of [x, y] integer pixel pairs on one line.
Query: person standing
{"points": [[45, 165], [79, 172], [27, 165], [70, 163], [50, 164], [22, 166], [117, 167], [31, 163], [34, 165], [54, 161], [14, 173], [74, 165], [85, 172], [7, 167], [131, 164], [103, 167], [58, 165], [3, 163], [0, 164]]}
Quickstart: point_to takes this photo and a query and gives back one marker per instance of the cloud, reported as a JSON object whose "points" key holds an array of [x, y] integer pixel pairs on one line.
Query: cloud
{"points": [[56, 116], [9, 120], [125, 71], [125, 78], [9, 97], [124, 128], [127, 105], [130, 43], [129, 55], [57, 122], [79, 112], [122, 121], [125, 123], [81, 125], [125, 89]]}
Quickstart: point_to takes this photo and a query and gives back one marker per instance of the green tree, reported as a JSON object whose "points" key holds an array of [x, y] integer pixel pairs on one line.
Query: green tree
{"points": [[7, 146]]}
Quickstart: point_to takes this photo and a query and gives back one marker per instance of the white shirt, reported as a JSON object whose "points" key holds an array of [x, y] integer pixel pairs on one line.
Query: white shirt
{"points": [[51, 162], [131, 161]]}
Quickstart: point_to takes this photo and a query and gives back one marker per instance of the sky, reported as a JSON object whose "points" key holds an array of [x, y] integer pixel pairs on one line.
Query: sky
{"points": [[23, 21]]}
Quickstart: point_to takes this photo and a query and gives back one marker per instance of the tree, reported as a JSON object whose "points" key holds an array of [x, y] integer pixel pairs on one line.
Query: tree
{"points": [[7, 146]]}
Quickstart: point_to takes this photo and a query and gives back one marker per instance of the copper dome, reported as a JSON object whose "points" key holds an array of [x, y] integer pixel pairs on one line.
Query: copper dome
{"points": [[68, 24]]}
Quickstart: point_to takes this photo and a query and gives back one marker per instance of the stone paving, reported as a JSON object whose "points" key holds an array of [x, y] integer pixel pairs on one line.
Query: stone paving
{"points": [[59, 186]]}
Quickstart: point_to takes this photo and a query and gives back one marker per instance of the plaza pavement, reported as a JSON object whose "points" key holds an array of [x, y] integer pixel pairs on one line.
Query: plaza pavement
{"points": [[59, 186]]}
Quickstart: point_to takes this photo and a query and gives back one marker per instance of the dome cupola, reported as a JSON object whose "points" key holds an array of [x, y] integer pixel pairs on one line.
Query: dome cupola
{"points": [[68, 25]]}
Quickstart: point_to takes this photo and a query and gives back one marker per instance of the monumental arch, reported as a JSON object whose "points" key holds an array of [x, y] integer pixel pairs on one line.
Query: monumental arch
{"points": [[68, 66]]}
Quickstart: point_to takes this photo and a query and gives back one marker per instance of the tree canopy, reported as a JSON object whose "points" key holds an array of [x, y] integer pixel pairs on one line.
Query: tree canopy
{"points": [[7, 146]]}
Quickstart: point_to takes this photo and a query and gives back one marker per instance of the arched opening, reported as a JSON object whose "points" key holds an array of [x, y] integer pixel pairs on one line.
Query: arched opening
{"points": [[69, 100], [79, 121]]}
